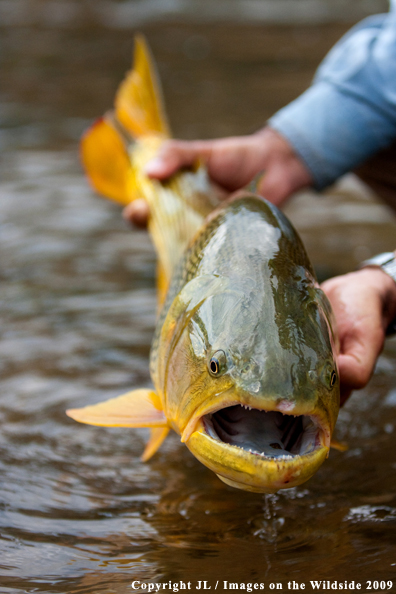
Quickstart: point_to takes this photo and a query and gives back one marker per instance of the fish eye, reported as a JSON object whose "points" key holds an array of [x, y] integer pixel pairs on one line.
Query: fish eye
{"points": [[218, 363], [333, 378], [214, 366]]}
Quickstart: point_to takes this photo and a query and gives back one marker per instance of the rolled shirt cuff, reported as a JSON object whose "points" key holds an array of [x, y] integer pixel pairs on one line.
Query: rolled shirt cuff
{"points": [[333, 131]]}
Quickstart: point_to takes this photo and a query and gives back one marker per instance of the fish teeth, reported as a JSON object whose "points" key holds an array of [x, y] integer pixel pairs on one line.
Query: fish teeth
{"points": [[266, 456]]}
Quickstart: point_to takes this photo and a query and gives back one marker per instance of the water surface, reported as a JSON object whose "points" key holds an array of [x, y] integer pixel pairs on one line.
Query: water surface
{"points": [[79, 512]]}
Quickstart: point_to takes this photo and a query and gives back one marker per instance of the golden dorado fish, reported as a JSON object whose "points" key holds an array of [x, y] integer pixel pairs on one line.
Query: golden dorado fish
{"points": [[243, 358]]}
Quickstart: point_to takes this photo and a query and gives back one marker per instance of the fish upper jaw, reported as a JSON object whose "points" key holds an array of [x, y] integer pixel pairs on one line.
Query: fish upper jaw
{"points": [[224, 411], [210, 405], [268, 434]]}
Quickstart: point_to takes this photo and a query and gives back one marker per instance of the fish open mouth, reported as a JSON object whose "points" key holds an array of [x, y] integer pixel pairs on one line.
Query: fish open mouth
{"points": [[267, 434]]}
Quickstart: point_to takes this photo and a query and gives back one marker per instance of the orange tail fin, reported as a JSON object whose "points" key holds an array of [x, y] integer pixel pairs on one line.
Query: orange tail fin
{"points": [[138, 111]]}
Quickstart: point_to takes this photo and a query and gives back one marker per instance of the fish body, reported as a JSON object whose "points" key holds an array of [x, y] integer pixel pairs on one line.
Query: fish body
{"points": [[243, 359]]}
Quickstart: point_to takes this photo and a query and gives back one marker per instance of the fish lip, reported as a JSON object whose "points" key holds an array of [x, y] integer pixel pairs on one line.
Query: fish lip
{"points": [[207, 407], [252, 471], [322, 435]]}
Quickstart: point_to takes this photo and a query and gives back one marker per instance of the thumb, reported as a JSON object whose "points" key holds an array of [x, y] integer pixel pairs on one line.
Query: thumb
{"points": [[175, 154], [358, 356]]}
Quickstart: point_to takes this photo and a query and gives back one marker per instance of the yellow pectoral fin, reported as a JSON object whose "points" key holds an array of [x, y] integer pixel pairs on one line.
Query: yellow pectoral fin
{"points": [[106, 161], [139, 408], [338, 445], [157, 436]]}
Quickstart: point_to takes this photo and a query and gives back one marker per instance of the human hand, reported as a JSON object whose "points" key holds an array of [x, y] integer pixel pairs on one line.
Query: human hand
{"points": [[364, 304], [232, 163]]}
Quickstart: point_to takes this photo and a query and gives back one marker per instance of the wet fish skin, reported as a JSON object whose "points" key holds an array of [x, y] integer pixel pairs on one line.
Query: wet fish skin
{"points": [[246, 288], [243, 322]]}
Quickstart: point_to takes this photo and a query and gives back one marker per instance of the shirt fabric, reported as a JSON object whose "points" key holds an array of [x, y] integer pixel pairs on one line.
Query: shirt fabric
{"points": [[349, 112]]}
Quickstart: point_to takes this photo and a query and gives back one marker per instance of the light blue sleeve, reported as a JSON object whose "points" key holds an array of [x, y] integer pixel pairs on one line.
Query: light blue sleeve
{"points": [[349, 112]]}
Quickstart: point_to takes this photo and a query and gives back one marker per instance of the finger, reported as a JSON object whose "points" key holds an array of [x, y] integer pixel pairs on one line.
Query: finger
{"points": [[354, 374], [175, 154], [137, 213], [282, 178], [357, 360], [274, 186]]}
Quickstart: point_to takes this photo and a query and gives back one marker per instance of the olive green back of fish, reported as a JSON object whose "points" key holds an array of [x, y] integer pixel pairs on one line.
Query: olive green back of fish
{"points": [[247, 287]]}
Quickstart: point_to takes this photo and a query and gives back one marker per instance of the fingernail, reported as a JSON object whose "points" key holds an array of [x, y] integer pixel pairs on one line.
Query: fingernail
{"points": [[153, 167]]}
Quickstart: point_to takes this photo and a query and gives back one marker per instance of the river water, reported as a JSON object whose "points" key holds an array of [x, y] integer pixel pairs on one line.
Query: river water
{"points": [[79, 512]]}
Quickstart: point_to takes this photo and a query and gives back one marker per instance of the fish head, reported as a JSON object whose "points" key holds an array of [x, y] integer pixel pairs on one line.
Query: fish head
{"points": [[251, 380]]}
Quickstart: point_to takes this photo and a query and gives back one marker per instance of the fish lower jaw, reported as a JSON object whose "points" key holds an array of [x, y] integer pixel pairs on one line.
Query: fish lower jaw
{"points": [[257, 450]]}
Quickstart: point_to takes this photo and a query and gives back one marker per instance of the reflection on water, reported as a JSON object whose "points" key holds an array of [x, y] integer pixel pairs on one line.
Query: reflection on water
{"points": [[78, 511]]}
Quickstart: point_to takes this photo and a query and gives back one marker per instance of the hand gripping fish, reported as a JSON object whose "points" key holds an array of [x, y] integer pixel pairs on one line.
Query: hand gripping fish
{"points": [[243, 357]]}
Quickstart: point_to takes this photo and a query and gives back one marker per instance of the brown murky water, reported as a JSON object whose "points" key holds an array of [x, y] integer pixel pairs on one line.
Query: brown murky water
{"points": [[78, 511]]}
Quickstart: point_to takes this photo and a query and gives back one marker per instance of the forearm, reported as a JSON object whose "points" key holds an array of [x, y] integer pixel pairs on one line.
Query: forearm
{"points": [[332, 132], [349, 113]]}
